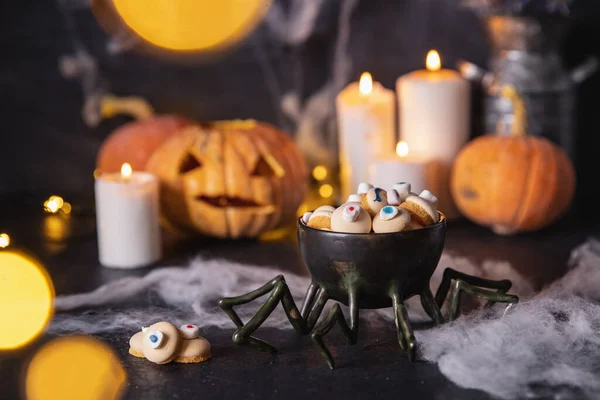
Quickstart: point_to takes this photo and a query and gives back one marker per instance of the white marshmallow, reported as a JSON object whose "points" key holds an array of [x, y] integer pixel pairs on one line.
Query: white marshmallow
{"points": [[354, 198], [427, 195], [402, 187], [364, 187], [306, 217], [393, 197]]}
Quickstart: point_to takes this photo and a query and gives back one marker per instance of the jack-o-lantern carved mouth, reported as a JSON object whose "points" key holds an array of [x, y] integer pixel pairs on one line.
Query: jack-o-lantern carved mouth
{"points": [[235, 202]]}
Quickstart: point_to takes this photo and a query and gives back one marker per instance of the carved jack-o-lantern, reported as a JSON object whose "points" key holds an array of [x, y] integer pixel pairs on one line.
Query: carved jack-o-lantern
{"points": [[229, 179]]}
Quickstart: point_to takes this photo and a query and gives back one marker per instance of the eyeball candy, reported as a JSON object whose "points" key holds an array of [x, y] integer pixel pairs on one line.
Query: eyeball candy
{"points": [[350, 218], [154, 339], [391, 219], [422, 209], [189, 331], [374, 200]]}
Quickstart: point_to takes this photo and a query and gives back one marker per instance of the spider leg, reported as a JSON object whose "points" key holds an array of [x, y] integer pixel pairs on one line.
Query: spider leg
{"points": [[457, 282], [336, 315], [279, 293], [431, 307], [406, 337]]}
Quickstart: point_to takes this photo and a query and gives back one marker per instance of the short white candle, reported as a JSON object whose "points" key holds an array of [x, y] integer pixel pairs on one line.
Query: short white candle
{"points": [[127, 215], [434, 108], [400, 167], [366, 126]]}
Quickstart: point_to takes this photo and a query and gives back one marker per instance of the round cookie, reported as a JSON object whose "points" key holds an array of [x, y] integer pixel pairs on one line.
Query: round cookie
{"points": [[391, 219], [135, 345], [351, 218], [374, 200], [194, 351], [320, 220], [161, 342], [329, 209], [422, 210]]}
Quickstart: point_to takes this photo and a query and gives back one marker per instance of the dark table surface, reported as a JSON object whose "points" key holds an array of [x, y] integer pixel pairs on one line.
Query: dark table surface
{"points": [[375, 367]]}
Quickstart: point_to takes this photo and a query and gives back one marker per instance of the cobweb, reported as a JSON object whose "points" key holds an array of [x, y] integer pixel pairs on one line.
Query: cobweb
{"points": [[544, 347]]}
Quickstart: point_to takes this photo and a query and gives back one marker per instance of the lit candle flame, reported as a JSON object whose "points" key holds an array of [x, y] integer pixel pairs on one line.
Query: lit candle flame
{"points": [[402, 149], [4, 240], [433, 61], [366, 83], [126, 170]]}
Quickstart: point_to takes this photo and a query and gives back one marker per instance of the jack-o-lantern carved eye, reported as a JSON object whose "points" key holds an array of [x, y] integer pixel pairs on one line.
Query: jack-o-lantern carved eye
{"points": [[189, 163], [263, 168]]}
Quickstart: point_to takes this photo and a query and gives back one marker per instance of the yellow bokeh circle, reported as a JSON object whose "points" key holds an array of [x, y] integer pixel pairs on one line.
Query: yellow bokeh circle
{"points": [[191, 25], [26, 299], [75, 367]]}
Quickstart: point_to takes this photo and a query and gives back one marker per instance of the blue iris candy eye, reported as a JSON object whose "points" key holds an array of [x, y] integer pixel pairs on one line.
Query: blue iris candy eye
{"points": [[388, 209], [377, 198], [155, 339]]}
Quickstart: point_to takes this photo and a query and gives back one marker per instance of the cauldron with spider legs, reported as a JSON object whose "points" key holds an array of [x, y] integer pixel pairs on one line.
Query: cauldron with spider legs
{"points": [[364, 271]]}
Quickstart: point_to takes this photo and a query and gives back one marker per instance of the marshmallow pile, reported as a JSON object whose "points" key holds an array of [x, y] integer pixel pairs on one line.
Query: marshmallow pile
{"points": [[376, 210]]}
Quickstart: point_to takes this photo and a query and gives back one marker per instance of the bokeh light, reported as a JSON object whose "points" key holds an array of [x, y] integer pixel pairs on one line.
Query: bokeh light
{"points": [[326, 191], [26, 299], [192, 25], [76, 367], [319, 172], [4, 240]]}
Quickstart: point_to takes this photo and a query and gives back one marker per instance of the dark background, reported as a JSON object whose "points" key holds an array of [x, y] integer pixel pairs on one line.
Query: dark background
{"points": [[46, 147]]}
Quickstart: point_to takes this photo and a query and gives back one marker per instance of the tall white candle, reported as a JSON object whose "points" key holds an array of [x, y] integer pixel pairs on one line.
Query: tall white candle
{"points": [[434, 107], [366, 125], [127, 214], [400, 167]]}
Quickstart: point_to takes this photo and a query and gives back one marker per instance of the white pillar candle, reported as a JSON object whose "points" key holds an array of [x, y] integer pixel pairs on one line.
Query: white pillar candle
{"points": [[127, 215], [392, 168], [366, 126], [434, 107]]}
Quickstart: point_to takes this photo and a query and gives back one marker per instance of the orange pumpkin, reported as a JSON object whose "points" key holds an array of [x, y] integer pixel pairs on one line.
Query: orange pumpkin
{"points": [[229, 179], [513, 183], [135, 142]]}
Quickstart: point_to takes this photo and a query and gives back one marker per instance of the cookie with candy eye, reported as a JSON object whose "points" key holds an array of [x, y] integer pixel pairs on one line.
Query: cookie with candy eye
{"points": [[422, 208], [161, 342], [391, 219], [320, 220], [351, 218], [374, 200]]}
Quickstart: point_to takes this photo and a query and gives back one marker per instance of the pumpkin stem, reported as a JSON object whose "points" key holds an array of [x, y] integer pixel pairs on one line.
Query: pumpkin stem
{"points": [[519, 126], [133, 106]]}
